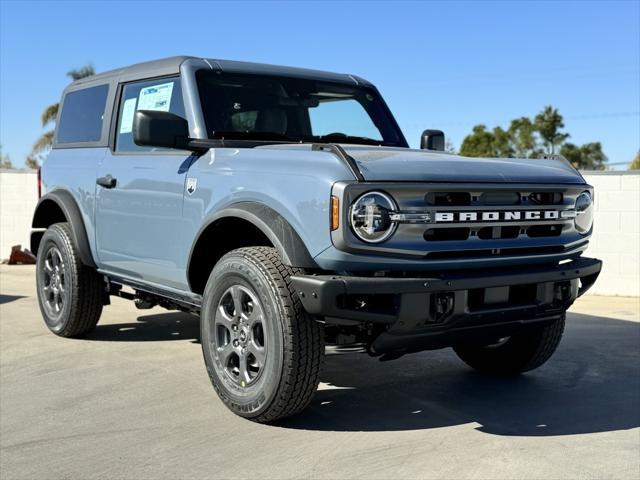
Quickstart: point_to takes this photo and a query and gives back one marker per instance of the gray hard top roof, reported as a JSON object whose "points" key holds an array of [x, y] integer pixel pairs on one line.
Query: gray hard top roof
{"points": [[171, 65]]}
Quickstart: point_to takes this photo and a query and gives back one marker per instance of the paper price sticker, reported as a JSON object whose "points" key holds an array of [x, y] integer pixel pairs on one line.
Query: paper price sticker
{"points": [[128, 109], [156, 97]]}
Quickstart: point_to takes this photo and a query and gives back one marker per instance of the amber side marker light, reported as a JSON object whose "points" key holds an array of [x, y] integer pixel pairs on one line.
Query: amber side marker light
{"points": [[335, 209]]}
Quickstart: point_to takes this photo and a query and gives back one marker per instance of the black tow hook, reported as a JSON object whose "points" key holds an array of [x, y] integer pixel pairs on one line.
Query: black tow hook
{"points": [[386, 356]]}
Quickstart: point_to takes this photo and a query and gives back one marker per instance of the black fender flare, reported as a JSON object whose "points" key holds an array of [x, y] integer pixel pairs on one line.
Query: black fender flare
{"points": [[275, 227], [65, 201]]}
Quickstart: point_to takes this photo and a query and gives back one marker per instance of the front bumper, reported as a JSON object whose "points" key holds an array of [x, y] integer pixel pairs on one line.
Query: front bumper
{"points": [[437, 311]]}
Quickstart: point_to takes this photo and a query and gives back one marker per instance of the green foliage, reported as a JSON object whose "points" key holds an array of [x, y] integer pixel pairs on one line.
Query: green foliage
{"points": [[586, 157], [522, 134], [43, 143], [526, 138], [5, 160], [548, 124], [32, 161], [81, 72], [50, 113], [502, 143], [480, 143], [635, 164]]}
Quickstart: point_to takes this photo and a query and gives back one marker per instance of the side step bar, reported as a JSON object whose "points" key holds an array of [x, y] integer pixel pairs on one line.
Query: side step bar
{"points": [[183, 301]]}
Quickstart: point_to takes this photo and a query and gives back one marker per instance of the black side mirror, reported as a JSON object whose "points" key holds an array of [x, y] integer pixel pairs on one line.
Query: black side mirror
{"points": [[432, 140], [152, 128]]}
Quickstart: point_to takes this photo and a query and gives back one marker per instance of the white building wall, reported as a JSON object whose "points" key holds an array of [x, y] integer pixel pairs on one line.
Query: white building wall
{"points": [[616, 232], [616, 238], [18, 198]]}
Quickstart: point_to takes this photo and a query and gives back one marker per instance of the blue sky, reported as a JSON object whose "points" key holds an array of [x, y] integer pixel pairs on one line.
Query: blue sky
{"points": [[439, 65]]}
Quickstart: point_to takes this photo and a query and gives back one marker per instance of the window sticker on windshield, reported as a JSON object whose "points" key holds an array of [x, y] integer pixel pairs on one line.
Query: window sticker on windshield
{"points": [[156, 97], [128, 109]]}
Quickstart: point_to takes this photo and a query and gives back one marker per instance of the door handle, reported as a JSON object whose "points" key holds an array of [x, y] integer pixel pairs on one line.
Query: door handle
{"points": [[107, 181]]}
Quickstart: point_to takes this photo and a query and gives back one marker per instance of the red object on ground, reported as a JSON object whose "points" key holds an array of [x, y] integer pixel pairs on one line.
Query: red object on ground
{"points": [[19, 256]]}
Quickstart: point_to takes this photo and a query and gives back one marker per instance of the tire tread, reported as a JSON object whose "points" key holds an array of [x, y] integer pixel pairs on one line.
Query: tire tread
{"points": [[304, 342]]}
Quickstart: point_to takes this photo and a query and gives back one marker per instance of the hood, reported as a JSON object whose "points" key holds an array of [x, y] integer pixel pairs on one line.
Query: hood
{"points": [[393, 164], [402, 164]]}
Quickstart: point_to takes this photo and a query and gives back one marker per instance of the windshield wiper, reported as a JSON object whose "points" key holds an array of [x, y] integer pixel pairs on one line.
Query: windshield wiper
{"points": [[343, 138]]}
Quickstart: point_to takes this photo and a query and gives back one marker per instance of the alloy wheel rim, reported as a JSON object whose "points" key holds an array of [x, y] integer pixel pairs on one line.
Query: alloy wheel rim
{"points": [[239, 335], [54, 281]]}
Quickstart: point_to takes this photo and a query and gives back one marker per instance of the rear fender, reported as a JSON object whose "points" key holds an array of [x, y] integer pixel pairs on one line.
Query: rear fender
{"points": [[59, 206]]}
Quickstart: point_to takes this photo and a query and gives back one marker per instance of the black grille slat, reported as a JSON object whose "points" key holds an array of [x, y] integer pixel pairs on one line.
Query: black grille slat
{"points": [[446, 234], [500, 198], [495, 233], [448, 199], [540, 231]]}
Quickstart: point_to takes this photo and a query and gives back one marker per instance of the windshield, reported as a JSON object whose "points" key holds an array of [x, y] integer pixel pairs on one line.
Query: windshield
{"points": [[269, 108]]}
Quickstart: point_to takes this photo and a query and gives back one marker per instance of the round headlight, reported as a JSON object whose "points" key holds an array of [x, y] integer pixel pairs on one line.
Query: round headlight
{"points": [[584, 213], [371, 217]]}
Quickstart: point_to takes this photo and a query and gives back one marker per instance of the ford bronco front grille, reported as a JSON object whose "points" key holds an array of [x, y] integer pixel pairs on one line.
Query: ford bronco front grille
{"points": [[466, 221]]}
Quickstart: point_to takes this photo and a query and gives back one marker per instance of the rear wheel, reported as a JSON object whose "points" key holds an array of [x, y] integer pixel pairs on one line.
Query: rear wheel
{"points": [[516, 354], [70, 294], [262, 352]]}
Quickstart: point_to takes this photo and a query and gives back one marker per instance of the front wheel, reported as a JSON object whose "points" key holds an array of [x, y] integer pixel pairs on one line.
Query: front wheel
{"points": [[262, 351], [516, 354]]}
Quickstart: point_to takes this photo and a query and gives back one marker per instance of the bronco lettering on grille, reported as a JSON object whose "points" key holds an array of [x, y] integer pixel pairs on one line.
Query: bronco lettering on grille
{"points": [[497, 216]]}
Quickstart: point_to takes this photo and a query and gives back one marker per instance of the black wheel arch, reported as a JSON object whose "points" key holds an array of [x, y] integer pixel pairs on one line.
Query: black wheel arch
{"points": [[60, 206], [270, 224]]}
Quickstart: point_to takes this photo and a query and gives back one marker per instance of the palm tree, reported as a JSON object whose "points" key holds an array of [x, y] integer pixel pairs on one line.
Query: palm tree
{"points": [[51, 112], [548, 124]]}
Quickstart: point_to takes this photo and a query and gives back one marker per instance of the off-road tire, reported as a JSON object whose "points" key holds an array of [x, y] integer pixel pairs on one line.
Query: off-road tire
{"points": [[295, 353], [520, 353], [83, 289]]}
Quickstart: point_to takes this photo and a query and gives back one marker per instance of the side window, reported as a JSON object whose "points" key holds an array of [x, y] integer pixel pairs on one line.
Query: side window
{"points": [[82, 115], [342, 116], [163, 94]]}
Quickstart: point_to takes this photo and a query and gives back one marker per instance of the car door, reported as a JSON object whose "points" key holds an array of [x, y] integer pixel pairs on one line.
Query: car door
{"points": [[139, 221]]}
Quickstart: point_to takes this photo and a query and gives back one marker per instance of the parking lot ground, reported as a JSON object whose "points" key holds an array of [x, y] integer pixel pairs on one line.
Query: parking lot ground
{"points": [[133, 400]]}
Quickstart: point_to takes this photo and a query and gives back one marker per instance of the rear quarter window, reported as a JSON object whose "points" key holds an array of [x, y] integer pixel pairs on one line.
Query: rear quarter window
{"points": [[82, 115]]}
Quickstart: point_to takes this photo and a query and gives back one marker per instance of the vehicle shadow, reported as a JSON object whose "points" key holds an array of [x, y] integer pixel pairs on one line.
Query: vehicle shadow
{"points": [[10, 298], [591, 384], [151, 328]]}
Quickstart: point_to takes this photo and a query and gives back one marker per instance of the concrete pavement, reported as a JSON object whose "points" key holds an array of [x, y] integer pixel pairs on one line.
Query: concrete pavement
{"points": [[133, 401]]}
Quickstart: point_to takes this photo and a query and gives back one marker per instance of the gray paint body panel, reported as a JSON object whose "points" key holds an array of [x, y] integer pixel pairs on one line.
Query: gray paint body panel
{"points": [[75, 170], [140, 228], [297, 185]]}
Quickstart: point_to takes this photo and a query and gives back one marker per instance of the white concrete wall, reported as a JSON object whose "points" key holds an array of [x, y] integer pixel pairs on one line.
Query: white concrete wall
{"points": [[18, 198], [616, 232], [616, 238]]}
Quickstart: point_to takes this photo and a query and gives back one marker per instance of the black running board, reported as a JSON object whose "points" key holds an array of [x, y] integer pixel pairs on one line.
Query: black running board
{"points": [[187, 301]]}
